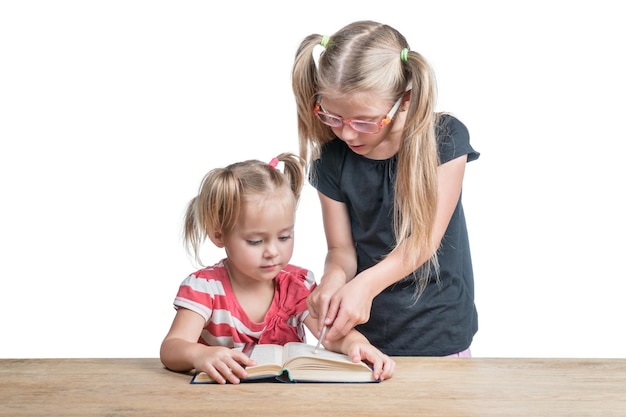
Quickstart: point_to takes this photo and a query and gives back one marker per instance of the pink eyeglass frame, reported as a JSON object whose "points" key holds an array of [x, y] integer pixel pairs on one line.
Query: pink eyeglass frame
{"points": [[386, 120]]}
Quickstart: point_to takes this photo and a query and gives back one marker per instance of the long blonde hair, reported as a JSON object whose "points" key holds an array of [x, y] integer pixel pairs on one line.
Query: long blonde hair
{"points": [[224, 191], [365, 57]]}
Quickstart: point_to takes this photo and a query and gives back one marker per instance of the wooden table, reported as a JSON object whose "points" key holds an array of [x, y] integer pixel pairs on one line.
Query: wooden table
{"points": [[421, 387]]}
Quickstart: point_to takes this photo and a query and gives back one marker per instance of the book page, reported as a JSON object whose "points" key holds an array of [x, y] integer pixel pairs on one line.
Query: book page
{"points": [[269, 360], [324, 365], [295, 349], [268, 354]]}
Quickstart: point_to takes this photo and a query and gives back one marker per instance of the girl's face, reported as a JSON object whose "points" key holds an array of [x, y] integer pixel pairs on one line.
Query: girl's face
{"points": [[381, 145], [261, 244]]}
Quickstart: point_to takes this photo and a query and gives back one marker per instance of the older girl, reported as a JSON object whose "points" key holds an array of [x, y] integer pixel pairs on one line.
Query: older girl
{"points": [[389, 173]]}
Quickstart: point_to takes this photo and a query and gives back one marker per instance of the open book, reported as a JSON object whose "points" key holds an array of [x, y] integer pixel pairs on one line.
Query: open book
{"points": [[296, 362]]}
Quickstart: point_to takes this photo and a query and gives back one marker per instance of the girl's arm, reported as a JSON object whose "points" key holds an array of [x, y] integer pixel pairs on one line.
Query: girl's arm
{"points": [[351, 304], [180, 351], [340, 264]]}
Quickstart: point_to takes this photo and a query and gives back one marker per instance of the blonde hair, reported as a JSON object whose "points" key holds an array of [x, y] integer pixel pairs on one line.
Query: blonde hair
{"points": [[224, 191], [365, 58]]}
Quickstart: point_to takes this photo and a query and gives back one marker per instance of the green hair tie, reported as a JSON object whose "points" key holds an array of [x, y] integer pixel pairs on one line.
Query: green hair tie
{"points": [[325, 40], [404, 54]]}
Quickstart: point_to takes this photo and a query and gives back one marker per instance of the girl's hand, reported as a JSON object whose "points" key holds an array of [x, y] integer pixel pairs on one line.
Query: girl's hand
{"points": [[223, 364], [180, 351], [319, 300], [383, 366], [350, 305]]}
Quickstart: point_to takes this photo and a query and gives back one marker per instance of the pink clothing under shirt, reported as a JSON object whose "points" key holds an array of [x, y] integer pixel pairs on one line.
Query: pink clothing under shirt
{"points": [[208, 292]]}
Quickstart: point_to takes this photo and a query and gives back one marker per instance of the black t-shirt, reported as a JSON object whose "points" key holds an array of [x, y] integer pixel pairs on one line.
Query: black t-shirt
{"points": [[444, 320]]}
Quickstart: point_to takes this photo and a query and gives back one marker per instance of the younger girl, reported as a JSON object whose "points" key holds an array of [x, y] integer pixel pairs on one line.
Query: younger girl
{"points": [[389, 173], [254, 294]]}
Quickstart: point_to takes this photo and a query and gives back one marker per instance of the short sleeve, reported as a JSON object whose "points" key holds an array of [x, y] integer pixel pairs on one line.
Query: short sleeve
{"points": [[453, 140], [325, 171]]}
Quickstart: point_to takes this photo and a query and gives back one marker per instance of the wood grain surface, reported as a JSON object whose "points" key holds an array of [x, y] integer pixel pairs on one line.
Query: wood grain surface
{"points": [[430, 387]]}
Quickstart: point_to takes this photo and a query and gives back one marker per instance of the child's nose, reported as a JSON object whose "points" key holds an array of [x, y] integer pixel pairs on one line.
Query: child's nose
{"points": [[270, 250], [348, 131]]}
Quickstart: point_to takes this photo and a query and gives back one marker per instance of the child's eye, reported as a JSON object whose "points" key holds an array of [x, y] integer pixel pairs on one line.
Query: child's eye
{"points": [[284, 238], [254, 242]]}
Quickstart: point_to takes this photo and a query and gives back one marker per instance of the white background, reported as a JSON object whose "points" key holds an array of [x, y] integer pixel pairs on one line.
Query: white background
{"points": [[112, 111]]}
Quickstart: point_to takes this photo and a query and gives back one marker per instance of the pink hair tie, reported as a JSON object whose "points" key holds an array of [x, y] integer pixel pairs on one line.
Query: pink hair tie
{"points": [[277, 165]]}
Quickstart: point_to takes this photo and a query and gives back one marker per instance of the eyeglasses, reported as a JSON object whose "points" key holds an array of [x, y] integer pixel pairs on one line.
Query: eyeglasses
{"points": [[358, 125]]}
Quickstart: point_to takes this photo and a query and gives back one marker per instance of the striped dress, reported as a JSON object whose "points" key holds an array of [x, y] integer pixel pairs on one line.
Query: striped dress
{"points": [[208, 292]]}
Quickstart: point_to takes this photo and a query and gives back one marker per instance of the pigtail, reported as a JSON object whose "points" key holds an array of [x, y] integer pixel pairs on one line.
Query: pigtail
{"points": [[294, 171], [416, 183], [192, 239], [215, 208], [304, 80]]}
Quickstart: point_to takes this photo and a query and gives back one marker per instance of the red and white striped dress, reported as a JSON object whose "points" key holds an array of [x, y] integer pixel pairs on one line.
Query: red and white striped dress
{"points": [[208, 292]]}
